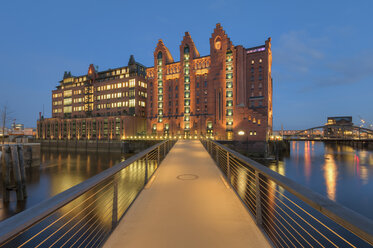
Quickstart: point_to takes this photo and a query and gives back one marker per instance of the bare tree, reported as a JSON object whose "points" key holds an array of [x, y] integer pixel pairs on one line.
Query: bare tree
{"points": [[4, 117]]}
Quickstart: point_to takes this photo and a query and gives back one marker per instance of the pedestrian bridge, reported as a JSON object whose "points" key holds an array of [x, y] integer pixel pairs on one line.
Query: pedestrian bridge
{"points": [[187, 193]]}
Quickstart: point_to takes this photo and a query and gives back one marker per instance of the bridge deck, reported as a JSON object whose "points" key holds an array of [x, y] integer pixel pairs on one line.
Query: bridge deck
{"points": [[202, 212]]}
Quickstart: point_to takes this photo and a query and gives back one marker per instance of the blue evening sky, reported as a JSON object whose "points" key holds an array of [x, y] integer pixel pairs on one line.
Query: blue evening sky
{"points": [[322, 50]]}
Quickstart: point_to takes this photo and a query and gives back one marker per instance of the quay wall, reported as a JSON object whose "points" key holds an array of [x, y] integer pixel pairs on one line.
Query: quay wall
{"points": [[123, 146]]}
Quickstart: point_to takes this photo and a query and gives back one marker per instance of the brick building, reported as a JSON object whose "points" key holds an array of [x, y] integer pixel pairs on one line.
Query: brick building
{"points": [[99, 105], [226, 95]]}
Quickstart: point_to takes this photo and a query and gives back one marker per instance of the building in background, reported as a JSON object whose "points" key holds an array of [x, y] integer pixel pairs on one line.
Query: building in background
{"points": [[99, 105], [17, 126], [339, 127], [226, 95]]}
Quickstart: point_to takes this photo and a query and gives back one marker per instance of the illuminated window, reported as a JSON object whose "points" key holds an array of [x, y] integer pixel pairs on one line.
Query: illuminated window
{"points": [[252, 62], [260, 60], [67, 93], [67, 109], [67, 101]]}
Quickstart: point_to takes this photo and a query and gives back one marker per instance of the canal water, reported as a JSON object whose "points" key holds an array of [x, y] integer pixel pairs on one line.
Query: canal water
{"points": [[59, 171], [339, 172]]}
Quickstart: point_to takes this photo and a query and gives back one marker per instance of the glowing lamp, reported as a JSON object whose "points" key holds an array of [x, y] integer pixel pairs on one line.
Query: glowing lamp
{"points": [[241, 133]]}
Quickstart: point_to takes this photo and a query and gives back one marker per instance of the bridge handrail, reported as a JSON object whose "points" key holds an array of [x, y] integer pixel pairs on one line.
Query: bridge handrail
{"points": [[15, 225], [367, 130], [348, 219]]}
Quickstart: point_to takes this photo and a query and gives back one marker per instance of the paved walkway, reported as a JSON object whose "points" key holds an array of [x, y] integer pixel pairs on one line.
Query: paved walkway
{"points": [[201, 212]]}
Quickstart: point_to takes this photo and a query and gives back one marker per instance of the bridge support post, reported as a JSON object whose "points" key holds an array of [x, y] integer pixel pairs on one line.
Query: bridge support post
{"points": [[114, 220], [258, 202], [228, 169]]}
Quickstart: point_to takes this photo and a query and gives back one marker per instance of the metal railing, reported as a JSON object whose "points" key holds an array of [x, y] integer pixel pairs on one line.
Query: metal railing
{"points": [[290, 214], [86, 214]]}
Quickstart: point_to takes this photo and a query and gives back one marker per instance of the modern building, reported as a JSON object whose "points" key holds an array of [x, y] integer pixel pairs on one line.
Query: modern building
{"points": [[226, 95], [339, 127]]}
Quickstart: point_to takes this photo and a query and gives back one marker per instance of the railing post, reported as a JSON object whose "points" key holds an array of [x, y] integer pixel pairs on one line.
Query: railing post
{"points": [[146, 169], [217, 155], [115, 205], [158, 155], [258, 201], [164, 150], [228, 168]]}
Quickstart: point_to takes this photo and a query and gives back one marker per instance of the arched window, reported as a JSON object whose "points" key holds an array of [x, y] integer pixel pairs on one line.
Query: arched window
{"points": [[159, 56], [186, 49]]}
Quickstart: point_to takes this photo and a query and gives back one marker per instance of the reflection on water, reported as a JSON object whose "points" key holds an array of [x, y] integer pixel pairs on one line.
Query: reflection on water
{"points": [[330, 175], [341, 173], [58, 172]]}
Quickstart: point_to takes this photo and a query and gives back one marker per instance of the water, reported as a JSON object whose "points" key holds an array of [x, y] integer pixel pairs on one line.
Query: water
{"points": [[339, 172], [58, 172]]}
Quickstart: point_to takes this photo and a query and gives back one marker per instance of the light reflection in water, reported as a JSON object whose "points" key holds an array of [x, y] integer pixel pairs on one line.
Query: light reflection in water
{"points": [[330, 175], [58, 171], [307, 160], [340, 172]]}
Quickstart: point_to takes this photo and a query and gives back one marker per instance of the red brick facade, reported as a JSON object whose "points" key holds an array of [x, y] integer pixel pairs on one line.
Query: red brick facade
{"points": [[227, 94]]}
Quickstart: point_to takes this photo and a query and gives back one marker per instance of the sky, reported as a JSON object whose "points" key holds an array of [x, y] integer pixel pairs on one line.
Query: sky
{"points": [[322, 50]]}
